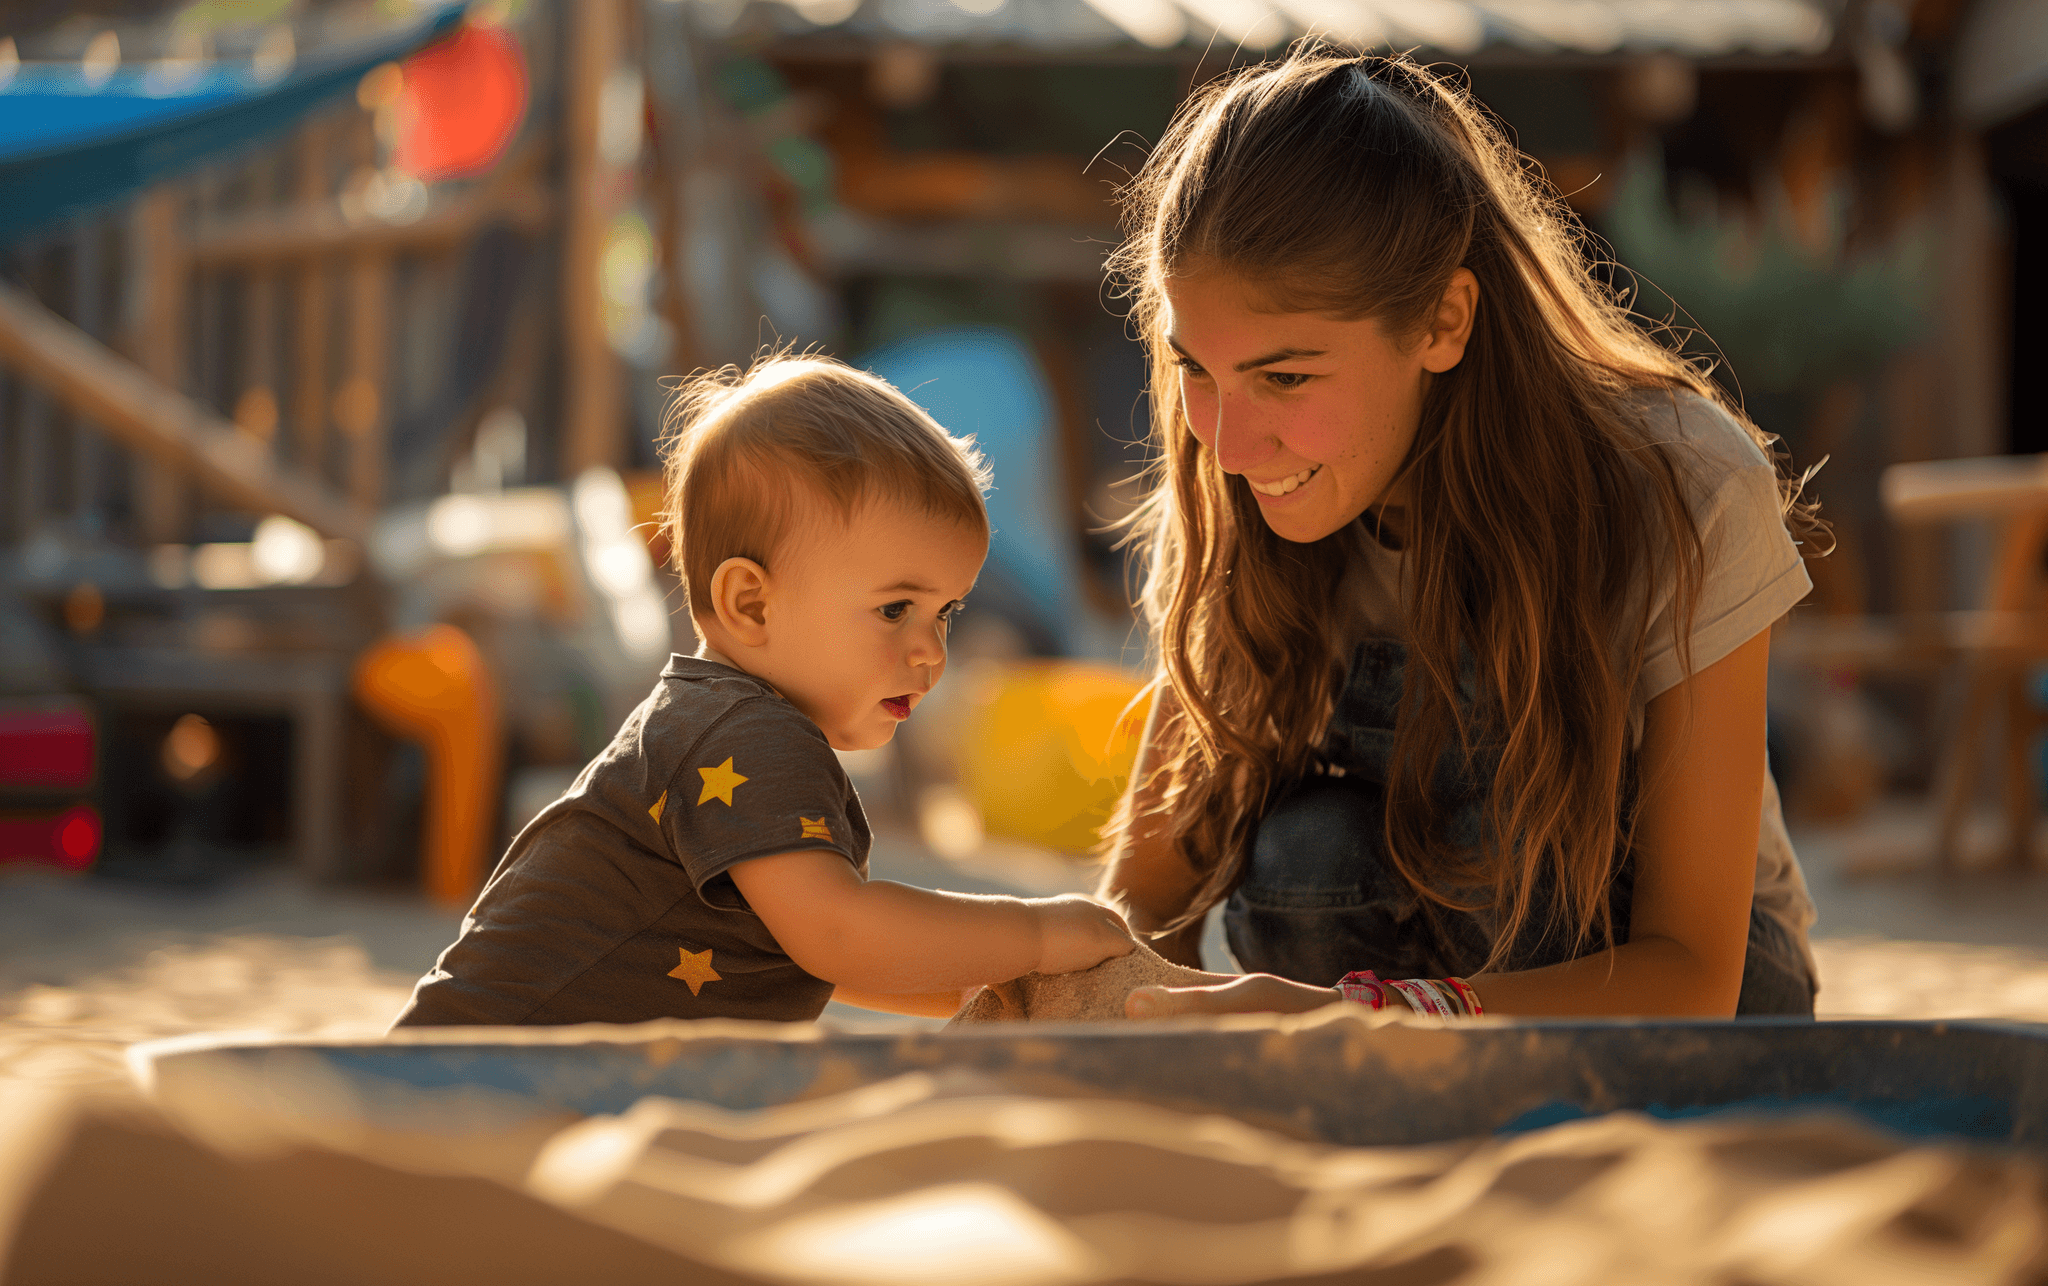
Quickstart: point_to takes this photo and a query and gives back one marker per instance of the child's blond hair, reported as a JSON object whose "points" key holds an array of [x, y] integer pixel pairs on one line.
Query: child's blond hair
{"points": [[741, 450]]}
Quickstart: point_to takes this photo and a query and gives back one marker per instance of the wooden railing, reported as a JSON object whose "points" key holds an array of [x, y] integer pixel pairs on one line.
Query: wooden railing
{"points": [[236, 333]]}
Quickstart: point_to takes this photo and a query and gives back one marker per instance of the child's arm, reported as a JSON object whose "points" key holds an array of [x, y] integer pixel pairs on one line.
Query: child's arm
{"points": [[879, 937], [924, 1004]]}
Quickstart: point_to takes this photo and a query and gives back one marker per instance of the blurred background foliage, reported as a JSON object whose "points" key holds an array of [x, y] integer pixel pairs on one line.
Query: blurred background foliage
{"points": [[1785, 312]]}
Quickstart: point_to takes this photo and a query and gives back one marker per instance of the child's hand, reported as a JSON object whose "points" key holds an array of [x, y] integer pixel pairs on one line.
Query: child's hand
{"points": [[1076, 933]]}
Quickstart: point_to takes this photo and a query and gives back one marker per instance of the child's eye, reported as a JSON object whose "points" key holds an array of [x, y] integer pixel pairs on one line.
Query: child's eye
{"points": [[894, 611], [951, 610]]}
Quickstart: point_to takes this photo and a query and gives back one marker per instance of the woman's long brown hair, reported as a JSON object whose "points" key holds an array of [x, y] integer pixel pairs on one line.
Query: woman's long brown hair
{"points": [[1542, 506]]}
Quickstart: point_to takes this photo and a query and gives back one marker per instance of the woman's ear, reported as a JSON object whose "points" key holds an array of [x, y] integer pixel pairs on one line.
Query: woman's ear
{"points": [[739, 598], [1451, 329]]}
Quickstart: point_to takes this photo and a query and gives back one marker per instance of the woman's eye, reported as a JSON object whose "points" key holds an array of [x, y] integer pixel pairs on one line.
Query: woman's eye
{"points": [[1288, 379], [1189, 365], [894, 611]]}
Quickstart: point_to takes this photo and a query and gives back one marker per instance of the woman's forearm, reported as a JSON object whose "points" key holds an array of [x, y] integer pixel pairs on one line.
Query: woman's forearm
{"points": [[1146, 877], [1150, 888], [1650, 976], [1148, 882]]}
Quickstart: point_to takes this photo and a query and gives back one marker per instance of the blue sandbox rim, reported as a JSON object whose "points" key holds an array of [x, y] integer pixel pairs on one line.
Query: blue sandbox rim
{"points": [[1981, 1082], [1973, 1119]]}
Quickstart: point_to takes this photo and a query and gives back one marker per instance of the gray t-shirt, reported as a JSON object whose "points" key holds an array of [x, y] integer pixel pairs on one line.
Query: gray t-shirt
{"points": [[616, 904], [1753, 574]]}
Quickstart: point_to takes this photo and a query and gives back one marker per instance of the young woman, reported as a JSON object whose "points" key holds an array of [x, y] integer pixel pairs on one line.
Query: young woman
{"points": [[1461, 583]]}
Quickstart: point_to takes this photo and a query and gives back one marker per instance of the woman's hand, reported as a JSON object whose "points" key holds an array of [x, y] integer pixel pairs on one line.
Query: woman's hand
{"points": [[1254, 993]]}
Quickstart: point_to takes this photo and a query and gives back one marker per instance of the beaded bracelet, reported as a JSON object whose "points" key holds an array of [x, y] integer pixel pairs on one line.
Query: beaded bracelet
{"points": [[1469, 996], [1364, 987], [1457, 994], [1447, 1002], [1446, 998], [1421, 997]]}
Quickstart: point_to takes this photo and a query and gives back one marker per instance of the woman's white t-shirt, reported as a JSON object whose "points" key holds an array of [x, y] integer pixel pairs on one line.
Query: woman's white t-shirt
{"points": [[1753, 574]]}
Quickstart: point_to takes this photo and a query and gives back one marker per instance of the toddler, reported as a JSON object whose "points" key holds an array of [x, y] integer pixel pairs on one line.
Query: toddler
{"points": [[712, 861]]}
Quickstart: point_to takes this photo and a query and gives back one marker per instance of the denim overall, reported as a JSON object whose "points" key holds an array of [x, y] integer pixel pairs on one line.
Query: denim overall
{"points": [[1319, 897]]}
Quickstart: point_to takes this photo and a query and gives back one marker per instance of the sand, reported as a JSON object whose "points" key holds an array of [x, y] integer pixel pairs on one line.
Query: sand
{"points": [[948, 1178], [938, 1181], [1092, 995], [77, 1034], [910, 1180]]}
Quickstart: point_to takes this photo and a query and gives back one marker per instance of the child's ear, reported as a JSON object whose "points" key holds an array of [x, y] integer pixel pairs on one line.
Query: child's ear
{"points": [[739, 597]]}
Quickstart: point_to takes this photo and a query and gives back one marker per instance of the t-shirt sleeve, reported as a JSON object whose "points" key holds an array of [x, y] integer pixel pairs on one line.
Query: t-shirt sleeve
{"points": [[1752, 574], [761, 780]]}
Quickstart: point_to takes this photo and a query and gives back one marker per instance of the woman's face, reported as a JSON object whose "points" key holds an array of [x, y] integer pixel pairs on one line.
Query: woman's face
{"points": [[1317, 412]]}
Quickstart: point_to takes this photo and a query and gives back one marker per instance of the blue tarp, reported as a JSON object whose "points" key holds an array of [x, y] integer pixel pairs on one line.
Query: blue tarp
{"points": [[68, 145]]}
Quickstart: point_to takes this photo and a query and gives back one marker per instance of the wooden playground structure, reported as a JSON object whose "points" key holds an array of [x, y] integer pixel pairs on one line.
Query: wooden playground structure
{"points": [[251, 339], [305, 331]]}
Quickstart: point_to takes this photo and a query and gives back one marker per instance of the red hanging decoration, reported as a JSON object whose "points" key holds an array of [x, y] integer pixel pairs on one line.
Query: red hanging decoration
{"points": [[462, 102]]}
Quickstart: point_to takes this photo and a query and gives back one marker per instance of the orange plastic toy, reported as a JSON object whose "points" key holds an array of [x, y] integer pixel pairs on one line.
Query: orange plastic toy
{"points": [[434, 687]]}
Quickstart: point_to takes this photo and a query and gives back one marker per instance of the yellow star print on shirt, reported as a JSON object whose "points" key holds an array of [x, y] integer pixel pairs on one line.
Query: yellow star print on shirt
{"points": [[695, 969], [815, 828], [654, 810], [719, 783]]}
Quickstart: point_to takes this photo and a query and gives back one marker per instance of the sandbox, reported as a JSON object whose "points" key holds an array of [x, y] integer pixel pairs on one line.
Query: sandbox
{"points": [[1330, 1077], [1339, 1145]]}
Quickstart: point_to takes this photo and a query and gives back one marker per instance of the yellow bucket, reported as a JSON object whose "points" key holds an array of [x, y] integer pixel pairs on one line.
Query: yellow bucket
{"points": [[1047, 748]]}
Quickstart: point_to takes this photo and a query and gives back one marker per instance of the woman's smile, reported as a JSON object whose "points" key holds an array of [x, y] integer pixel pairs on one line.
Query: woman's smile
{"points": [[1282, 487]]}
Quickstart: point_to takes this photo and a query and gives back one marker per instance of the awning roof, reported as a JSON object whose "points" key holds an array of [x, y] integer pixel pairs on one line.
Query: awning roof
{"points": [[1457, 28], [72, 139]]}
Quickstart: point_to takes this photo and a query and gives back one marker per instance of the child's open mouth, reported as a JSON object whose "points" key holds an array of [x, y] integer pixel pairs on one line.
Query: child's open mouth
{"points": [[898, 706]]}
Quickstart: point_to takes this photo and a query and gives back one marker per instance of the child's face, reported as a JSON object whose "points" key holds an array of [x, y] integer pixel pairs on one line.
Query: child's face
{"points": [[857, 615]]}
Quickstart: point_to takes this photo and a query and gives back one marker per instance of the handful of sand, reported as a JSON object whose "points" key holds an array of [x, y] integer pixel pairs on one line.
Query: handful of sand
{"points": [[1092, 995]]}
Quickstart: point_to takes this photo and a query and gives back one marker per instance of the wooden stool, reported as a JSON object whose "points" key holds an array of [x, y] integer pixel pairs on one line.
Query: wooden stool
{"points": [[1998, 646]]}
